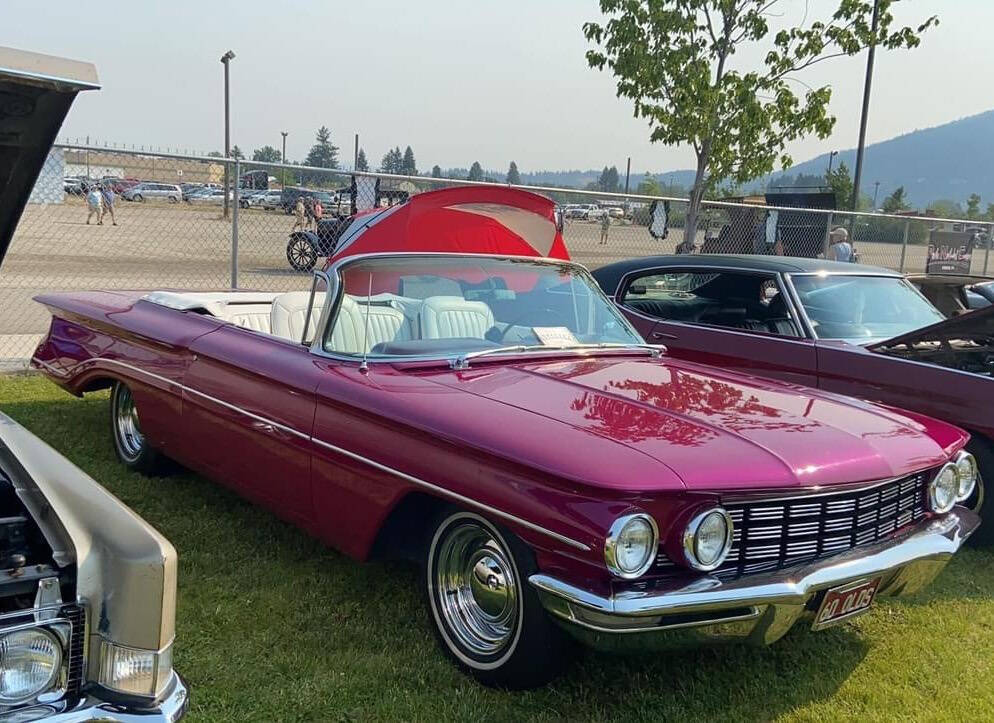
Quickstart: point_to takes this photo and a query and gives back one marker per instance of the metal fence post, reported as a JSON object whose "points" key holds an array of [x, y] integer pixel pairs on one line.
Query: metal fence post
{"points": [[234, 228], [904, 244], [987, 252], [828, 232]]}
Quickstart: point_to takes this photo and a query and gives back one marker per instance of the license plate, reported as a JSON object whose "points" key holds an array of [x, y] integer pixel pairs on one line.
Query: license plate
{"points": [[847, 601]]}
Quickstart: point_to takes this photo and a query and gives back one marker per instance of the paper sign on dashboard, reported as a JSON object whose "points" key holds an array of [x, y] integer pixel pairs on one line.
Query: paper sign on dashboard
{"points": [[554, 335]]}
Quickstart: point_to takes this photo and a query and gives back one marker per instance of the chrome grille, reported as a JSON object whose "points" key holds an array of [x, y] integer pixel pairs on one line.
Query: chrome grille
{"points": [[772, 534], [77, 617]]}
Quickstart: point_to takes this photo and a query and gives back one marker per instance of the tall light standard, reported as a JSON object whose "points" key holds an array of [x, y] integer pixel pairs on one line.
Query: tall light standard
{"points": [[283, 157], [831, 155], [866, 105], [876, 187], [225, 60]]}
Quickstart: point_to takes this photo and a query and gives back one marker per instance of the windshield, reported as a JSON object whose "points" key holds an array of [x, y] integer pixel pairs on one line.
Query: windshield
{"points": [[452, 305], [862, 309]]}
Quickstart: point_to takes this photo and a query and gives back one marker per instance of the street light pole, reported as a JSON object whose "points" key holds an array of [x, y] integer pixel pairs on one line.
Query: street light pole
{"points": [[831, 155], [876, 187], [283, 157], [225, 60], [866, 105]]}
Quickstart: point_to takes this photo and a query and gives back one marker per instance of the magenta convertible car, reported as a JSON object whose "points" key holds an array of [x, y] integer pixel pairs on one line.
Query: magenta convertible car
{"points": [[452, 389]]}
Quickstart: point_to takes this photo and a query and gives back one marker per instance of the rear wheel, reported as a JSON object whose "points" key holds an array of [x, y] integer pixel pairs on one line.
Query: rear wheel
{"points": [[138, 197], [131, 446], [300, 252], [486, 616]]}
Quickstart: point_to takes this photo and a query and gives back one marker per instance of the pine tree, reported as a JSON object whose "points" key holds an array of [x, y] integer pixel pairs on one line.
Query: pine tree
{"points": [[267, 154], [513, 176], [408, 166], [436, 171], [323, 153], [236, 152], [361, 163], [393, 161], [475, 172]]}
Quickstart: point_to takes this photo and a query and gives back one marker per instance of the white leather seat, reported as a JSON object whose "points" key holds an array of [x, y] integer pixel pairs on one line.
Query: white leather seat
{"points": [[288, 314], [447, 317], [385, 324]]}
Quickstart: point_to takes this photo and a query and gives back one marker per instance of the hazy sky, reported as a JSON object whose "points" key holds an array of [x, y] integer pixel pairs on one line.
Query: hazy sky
{"points": [[458, 81]]}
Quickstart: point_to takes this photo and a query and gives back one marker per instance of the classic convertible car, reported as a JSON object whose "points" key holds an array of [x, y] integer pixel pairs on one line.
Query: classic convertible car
{"points": [[452, 389], [87, 588], [856, 330]]}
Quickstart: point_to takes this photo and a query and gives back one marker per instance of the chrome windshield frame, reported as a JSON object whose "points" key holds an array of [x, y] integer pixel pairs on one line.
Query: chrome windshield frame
{"points": [[332, 278]]}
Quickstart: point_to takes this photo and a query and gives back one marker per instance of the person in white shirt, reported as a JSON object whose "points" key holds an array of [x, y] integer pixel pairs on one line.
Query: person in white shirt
{"points": [[839, 248]]}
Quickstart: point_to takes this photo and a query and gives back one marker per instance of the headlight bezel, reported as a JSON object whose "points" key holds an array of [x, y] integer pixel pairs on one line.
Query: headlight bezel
{"points": [[59, 631], [611, 544], [962, 457], [689, 540], [933, 502]]}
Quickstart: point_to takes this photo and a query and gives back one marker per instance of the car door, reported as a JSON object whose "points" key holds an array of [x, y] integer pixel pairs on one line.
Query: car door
{"points": [[249, 409], [734, 319]]}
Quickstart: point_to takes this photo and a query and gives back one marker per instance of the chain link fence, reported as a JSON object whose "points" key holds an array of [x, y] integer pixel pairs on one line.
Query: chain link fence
{"points": [[162, 223]]}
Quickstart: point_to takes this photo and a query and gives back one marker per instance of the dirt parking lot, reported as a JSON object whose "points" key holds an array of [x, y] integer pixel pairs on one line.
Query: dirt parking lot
{"points": [[183, 246]]}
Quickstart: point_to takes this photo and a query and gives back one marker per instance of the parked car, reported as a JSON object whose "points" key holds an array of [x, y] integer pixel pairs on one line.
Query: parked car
{"points": [[190, 188], [857, 330], [954, 294], [615, 212], [149, 190], [271, 199], [248, 197], [87, 588], [210, 197], [72, 186], [452, 389]]}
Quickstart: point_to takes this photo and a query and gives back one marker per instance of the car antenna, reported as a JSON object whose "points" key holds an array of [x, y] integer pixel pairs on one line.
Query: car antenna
{"points": [[364, 366]]}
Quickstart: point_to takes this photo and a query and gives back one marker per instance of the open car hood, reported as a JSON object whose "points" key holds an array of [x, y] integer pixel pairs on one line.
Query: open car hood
{"points": [[36, 92], [976, 325]]}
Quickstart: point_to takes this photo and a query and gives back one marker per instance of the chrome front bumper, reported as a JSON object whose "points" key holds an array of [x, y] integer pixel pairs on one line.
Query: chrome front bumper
{"points": [[171, 708], [758, 608]]}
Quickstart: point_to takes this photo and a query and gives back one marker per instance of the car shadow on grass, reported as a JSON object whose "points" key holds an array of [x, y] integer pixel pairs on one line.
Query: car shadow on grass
{"points": [[264, 609]]}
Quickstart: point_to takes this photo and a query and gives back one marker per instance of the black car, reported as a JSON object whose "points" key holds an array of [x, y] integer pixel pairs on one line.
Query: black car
{"points": [[304, 247]]}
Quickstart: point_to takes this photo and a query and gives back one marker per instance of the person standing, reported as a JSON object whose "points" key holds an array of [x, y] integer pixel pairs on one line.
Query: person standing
{"points": [[318, 214], [299, 211], [94, 202], [107, 197], [605, 225], [839, 248]]}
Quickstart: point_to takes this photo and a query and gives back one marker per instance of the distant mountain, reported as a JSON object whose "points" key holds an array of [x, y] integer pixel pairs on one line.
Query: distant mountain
{"points": [[949, 161]]}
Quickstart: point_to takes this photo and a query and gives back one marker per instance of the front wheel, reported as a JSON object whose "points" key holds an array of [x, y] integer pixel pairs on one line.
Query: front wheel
{"points": [[139, 198], [131, 446], [300, 252], [983, 450], [486, 616]]}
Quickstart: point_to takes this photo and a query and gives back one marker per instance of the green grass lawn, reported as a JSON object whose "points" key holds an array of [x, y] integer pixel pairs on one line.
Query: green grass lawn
{"points": [[271, 625]]}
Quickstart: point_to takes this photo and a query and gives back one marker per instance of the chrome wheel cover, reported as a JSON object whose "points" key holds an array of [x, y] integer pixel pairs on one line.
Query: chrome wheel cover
{"points": [[130, 440], [476, 589]]}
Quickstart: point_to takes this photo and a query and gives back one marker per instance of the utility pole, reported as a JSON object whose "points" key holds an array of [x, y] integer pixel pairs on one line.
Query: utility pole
{"points": [[876, 187], [355, 156], [283, 157], [866, 105], [628, 173], [831, 155], [225, 60]]}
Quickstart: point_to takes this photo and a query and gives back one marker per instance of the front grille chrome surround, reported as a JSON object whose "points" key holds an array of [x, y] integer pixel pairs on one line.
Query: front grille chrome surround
{"points": [[772, 533]]}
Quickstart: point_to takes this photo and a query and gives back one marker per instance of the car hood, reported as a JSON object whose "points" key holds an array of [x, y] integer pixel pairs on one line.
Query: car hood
{"points": [[36, 92], [977, 325], [703, 429]]}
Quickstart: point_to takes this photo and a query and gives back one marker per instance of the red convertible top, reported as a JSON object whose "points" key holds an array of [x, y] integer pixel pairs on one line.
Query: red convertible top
{"points": [[474, 220]]}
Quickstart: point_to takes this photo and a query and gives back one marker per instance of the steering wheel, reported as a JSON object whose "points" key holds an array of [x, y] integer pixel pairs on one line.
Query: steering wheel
{"points": [[558, 315]]}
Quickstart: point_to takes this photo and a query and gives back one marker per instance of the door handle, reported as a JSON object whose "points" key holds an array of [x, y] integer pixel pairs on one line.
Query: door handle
{"points": [[663, 335]]}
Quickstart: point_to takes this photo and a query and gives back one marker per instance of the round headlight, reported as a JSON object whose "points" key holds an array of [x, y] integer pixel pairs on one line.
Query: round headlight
{"points": [[631, 544], [943, 489], [29, 664], [707, 539], [966, 466]]}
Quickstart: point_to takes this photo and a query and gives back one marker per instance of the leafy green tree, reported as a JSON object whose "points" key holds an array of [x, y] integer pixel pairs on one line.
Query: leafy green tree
{"points": [[267, 154], [215, 154], [840, 181], [323, 153], [409, 166], [973, 206], [944, 208], [896, 201], [475, 172], [649, 186], [361, 164], [513, 176], [393, 161], [673, 59], [990, 212], [436, 171], [236, 152]]}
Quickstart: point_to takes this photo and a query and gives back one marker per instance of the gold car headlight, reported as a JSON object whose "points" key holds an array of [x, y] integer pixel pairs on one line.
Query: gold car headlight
{"points": [[134, 671], [30, 664]]}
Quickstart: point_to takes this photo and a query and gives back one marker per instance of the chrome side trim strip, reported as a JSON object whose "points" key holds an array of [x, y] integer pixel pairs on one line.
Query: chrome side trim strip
{"points": [[334, 448]]}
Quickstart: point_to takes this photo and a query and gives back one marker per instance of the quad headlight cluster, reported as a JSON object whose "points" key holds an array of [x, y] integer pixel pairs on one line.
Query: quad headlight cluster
{"points": [[32, 662], [707, 539], [954, 483]]}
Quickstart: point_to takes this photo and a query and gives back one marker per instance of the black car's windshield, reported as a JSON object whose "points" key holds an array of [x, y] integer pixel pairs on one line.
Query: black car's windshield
{"points": [[452, 305], [863, 309]]}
